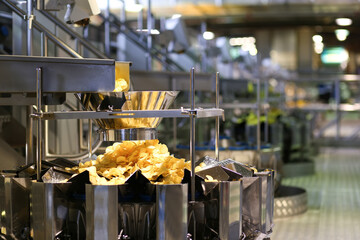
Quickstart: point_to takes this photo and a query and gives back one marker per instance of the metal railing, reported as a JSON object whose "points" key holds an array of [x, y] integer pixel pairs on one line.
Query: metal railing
{"points": [[47, 34]]}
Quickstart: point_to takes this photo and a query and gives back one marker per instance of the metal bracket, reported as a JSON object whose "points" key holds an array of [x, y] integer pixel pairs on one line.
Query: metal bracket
{"points": [[29, 18], [188, 112]]}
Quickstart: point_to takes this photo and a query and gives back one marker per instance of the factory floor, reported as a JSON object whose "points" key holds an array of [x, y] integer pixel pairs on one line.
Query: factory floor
{"points": [[333, 199]]}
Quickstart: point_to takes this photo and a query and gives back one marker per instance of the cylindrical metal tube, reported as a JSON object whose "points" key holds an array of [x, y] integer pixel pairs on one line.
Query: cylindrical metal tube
{"points": [[338, 113], [192, 132], [107, 29], [90, 139], [29, 136], [39, 121], [44, 44], [258, 112], [149, 37], [217, 120], [29, 19], [266, 130]]}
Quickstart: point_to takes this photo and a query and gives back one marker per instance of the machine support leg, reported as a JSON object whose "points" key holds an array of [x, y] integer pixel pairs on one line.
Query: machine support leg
{"points": [[39, 151], [217, 120]]}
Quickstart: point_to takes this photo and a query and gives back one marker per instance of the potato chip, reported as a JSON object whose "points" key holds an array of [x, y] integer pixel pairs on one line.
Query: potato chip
{"points": [[122, 159]]}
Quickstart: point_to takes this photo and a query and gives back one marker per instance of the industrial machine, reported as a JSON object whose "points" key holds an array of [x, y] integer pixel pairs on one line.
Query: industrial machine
{"points": [[54, 208]]}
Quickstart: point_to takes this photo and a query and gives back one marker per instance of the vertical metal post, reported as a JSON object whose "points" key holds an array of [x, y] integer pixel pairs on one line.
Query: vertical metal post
{"points": [[203, 43], [44, 44], [90, 139], [29, 136], [192, 132], [266, 125], [258, 130], [29, 110], [338, 113], [39, 151], [29, 19], [149, 38], [217, 120], [107, 29]]}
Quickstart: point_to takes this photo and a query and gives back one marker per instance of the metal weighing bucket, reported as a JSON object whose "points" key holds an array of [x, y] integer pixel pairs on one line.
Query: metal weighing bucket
{"points": [[267, 200], [101, 212], [15, 206], [50, 209], [159, 212]]}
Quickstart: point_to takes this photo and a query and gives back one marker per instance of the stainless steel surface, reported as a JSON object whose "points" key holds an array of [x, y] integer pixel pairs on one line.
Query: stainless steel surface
{"points": [[251, 208], [59, 74], [192, 133], [217, 120], [156, 81], [101, 212], [15, 206], [230, 223], [128, 134], [267, 200], [291, 202], [128, 101], [170, 113], [9, 157], [39, 135], [49, 209], [172, 213]]}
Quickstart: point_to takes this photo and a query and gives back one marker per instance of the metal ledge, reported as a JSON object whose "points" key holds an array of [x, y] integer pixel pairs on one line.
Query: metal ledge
{"points": [[18, 74], [170, 113]]}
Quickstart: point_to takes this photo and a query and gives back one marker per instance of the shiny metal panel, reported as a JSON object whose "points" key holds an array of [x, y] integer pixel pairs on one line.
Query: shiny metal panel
{"points": [[128, 134], [101, 212], [49, 209], [59, 74], [267, 200], [14, 206], [251, 207], [230, 196], [172, 211]]}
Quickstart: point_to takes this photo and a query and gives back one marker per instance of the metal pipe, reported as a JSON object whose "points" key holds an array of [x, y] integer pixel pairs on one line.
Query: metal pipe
{"points": [[203, 52], [149, 37], [107, 29], [46, 134], [29, 136], [338, 113], [44, 45], [192, 132], [90, 138], [39, 122], [217, 120], [258, 109], [266, 125], [77, 45], [29, 23]]}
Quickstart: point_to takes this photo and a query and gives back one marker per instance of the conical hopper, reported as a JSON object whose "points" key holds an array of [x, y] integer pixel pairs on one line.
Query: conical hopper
{"points": [[133, 100]]}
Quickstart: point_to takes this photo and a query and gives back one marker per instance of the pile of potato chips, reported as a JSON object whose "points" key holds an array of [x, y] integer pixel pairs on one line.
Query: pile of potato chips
{"points": [[122, 159]]}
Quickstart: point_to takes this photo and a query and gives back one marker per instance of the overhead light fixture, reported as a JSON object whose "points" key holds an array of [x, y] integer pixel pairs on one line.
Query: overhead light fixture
{"points": [[317, 38], [176, 16], [207, 35], [342, 34], [152, 31], [343, 21]]}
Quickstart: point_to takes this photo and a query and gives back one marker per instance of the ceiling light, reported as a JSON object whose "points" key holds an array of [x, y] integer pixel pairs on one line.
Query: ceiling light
{"points": [[341, 34], [317, 39], [176, 16], [208, 35], [152, 31], [343, 21]]}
